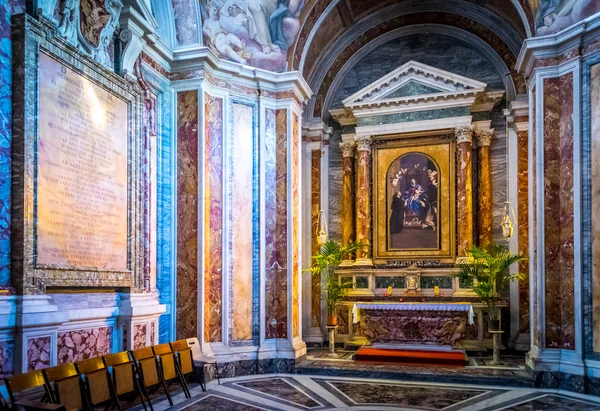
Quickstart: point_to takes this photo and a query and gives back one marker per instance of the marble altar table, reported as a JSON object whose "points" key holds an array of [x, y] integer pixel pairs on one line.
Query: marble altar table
{"points": [[412, 323]]}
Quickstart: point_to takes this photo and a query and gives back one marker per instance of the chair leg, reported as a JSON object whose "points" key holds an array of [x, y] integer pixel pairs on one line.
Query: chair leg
{"points": [[200, 376], [139, 392], [217, 373], [147, 396], [186, 390], [162, 381]]}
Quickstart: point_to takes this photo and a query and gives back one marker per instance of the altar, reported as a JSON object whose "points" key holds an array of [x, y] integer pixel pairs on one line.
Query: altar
{"points": [[412, 322]]}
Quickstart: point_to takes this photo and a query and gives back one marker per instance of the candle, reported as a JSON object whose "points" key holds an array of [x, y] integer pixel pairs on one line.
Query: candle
{"points": [[390, 289], [436, 291]]}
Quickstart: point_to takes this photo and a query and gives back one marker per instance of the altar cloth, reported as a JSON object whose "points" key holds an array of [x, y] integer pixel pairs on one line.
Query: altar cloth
{"points": [[463, 307]]}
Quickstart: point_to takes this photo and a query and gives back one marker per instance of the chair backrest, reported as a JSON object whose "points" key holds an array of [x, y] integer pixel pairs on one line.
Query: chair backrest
{"points": [[148, 365], [23, 382], [184, 353], [194, 345], [167, 360], [123, 371], [60, 372], [90, 365], [97, 379], [67, 385], [142, 353]]}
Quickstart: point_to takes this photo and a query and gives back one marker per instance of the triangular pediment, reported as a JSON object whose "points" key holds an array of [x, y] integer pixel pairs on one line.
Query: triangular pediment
{"points": [[415, 81]]}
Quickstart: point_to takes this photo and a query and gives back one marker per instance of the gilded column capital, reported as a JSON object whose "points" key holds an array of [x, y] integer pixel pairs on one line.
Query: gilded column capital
{"points": [[484, 137], [464, 134], [363, 143], [348, 148]]}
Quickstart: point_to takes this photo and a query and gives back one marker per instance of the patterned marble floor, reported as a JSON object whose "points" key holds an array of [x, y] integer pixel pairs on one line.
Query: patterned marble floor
{"points": [[284, 392]]}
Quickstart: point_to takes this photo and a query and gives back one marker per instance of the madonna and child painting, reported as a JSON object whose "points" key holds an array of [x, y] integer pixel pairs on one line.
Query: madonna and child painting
{"points": [[413, 202]]}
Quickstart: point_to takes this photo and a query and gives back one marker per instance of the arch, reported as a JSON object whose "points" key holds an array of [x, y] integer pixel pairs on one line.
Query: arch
{"points": [[458, 34]]}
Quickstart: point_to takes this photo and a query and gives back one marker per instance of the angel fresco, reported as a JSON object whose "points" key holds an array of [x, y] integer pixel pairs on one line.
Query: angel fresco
{"points": [[553, 16], [253, 32], [414, 209]]}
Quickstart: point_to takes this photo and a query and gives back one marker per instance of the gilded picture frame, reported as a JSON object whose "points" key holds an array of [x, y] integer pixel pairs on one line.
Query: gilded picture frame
{"points": [[414, 204]]}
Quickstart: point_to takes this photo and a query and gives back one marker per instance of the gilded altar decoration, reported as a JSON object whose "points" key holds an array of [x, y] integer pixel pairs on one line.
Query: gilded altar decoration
{"points": [[414, 211]]}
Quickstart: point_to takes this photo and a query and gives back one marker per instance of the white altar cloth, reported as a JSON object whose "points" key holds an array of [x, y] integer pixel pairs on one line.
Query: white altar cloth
{"points": [[465, 307]]}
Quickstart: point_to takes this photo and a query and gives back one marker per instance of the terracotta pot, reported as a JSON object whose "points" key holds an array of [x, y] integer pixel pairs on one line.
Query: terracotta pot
{"points": [[495, 325], [332, 320]]}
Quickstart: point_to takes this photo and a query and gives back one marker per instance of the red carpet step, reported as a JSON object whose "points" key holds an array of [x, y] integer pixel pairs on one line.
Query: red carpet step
{"points": [[455, 358]]}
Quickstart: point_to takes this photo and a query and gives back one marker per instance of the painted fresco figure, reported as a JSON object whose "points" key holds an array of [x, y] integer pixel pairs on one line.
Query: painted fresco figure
{"points": [[397, 218], [555, 15], [220, 39], [412, 195]]}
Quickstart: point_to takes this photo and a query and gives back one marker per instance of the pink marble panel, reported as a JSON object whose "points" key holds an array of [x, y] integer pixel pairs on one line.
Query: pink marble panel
{"points": [[533, 255], [241, 221], [558, 212], [79, 345], [295, 227], [595, 140], [276, 223], [7, 350], [38, 353], [187, 213], [139, 336], [153, 332], [213, 218]]}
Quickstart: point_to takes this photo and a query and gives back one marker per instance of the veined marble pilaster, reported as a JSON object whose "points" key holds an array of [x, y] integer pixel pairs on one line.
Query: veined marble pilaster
{"points": [[464, 182], [595, 201], [348, 220], [315, 176], [484, 226], [363, 199], [558, 212], [523, 225]]}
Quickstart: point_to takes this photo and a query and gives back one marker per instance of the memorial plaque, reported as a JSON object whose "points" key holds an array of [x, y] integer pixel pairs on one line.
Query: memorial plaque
{"points": [[82, 188]]}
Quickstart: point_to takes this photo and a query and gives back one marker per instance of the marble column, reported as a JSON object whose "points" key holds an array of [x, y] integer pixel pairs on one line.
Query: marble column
{"points": [[348, 219], [315, 214], [464, 140], [484, 200], [363, 199]]}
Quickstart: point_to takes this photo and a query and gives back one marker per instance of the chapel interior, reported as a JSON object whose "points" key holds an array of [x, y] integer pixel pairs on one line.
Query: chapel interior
{"points": [[300, 204]]}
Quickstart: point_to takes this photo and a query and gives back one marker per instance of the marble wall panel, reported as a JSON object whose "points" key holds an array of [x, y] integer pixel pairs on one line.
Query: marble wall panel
{"points": [[523, 226], [315, 208], [79, 345], [295, 226], [499, 167], [38, 353], [595, 197], [276, 212], [7, 351], [139, 336], [533, 254], [242, 222], [186, 22], [464, 187], [187, 214], [153, 332], [558, 212], [484, 198], [335, 172], [7, 9], [213, 218]]}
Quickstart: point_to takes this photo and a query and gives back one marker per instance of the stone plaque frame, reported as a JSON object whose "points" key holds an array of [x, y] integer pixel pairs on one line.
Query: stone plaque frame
{"points": [[32, 37], [443, 151]]}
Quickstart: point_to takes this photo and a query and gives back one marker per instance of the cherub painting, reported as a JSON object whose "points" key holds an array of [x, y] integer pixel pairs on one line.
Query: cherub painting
{"points": [[254, 32], [553, 16]]}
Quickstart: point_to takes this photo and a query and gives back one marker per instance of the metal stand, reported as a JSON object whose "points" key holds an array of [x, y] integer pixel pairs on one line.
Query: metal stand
{"points": [[331, 329], [496, 340]]}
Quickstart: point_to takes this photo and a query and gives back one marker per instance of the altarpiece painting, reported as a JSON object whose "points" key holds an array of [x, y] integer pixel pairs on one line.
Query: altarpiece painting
{"points": [[414, 208]]}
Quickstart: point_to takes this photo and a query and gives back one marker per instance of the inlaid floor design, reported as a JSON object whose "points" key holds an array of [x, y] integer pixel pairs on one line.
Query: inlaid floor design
{"points": [[284, 392]]}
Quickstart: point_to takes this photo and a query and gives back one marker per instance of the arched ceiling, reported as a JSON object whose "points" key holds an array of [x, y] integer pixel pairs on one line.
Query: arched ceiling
{"points": [[333, 31]]}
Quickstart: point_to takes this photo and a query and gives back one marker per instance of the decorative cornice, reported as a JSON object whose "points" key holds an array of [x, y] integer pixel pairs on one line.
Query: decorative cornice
{"points": [[518, 114], [343, 116], [464, 134]]}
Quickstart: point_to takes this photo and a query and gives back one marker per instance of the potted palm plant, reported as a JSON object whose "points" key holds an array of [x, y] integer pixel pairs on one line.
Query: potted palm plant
{"points": [[489, 271], [324, 264]]}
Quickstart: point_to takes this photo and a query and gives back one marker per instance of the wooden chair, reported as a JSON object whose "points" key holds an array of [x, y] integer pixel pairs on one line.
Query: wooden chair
{"points": [[200, 360], [68, 386], [97, 383], [124, 377], [183, 354], [148, 370], [18, 384], [169, 367]]}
